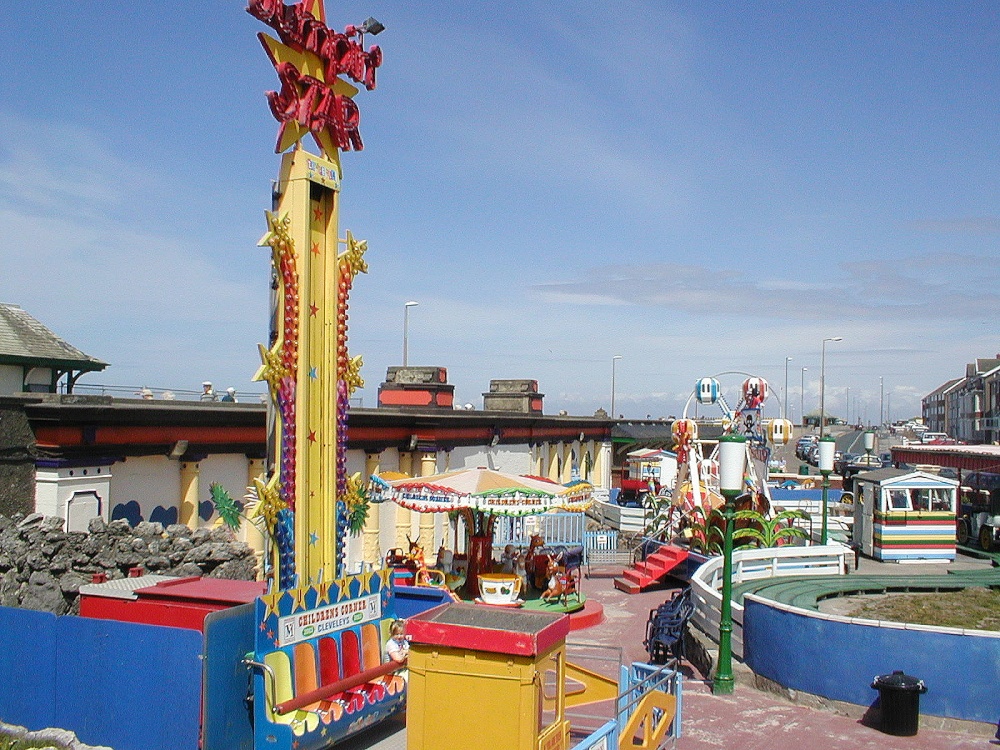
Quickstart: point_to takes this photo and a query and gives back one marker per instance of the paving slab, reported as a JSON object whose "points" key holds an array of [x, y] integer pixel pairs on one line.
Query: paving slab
{"points": [[750, 719]]}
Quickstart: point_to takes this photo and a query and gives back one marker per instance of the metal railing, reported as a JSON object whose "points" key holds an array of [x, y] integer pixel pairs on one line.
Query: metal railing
{"points": [[561, 528], [755, 564]]}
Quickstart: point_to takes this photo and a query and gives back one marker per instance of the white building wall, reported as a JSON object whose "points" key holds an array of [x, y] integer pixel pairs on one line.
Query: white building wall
{"points": [[151, 482], [74, 494], [229, 470], [512, 459]]}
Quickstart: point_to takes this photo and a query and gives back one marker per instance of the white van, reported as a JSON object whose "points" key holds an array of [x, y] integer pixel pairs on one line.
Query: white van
{"points": [[930, 437]]}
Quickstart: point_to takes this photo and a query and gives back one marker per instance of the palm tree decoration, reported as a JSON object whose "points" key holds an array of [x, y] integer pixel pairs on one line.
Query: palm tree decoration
{"points": [[706, 532], [761, 531], [225, 506]]}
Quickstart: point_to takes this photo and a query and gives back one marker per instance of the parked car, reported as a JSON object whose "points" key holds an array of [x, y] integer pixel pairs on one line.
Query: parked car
{"points": [[804, 443], [886, 458], [812, 454], [841, 464]]}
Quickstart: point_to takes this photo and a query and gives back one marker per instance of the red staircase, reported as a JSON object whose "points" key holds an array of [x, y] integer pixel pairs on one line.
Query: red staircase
{"points": [[652, 569]]}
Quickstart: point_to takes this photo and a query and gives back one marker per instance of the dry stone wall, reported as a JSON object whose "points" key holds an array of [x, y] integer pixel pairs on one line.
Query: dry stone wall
{"points": [[42, 566]]}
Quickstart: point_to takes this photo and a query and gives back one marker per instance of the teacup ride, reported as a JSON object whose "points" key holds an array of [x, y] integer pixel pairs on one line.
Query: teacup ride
{"points": [[500, 589]]}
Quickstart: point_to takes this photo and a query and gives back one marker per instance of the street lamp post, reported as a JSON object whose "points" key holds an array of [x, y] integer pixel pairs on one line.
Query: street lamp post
{"points": [[869, 447], [406, 327], [732, 466], [827, 446], [784, 413], [822, 385], [802, 397], [614, 362], [881, 400]]}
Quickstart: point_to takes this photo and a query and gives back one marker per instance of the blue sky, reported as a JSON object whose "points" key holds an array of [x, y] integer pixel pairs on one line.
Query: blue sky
{"points": [[697, 188]]}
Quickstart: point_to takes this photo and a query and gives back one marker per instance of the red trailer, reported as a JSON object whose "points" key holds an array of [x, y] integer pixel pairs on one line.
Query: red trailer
{"points": [[165, 600]]}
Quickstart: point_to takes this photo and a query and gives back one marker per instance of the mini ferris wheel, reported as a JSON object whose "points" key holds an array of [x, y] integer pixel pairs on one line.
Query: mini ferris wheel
{"points": [[698, 475]]}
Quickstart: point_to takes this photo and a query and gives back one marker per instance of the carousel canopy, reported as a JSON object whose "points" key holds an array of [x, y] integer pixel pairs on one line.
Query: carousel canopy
{"points": [[483, 490]]}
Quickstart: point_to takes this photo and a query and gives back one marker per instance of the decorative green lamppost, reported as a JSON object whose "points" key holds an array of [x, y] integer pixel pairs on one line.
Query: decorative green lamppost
{"points": [[869, 447], [732, 466], [827, 446]]}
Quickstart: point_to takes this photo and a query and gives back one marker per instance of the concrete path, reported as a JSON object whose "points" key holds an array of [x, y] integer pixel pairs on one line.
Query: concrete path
{"points": [[749, 719]]}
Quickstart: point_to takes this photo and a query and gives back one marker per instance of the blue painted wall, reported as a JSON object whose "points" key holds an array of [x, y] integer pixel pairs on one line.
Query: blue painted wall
{"points": [[816, 495], [412, 600], [839, 660], [119, 684]]}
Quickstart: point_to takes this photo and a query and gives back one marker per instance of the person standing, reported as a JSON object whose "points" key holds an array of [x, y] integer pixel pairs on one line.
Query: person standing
{"points": [[207, 394], [230, 395]]}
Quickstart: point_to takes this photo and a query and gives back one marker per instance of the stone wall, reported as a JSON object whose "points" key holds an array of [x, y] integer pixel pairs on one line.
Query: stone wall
{"points": [[42, 566], [17, 459]]}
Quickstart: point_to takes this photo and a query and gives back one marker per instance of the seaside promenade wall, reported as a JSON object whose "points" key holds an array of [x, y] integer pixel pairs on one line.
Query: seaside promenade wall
{"points": [[837, 658]]}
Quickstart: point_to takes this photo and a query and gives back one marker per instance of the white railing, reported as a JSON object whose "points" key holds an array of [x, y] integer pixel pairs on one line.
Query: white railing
{"points": [[755, 564], [618, 517]]}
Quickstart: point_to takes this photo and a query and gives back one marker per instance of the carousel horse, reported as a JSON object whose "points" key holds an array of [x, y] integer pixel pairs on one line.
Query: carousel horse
{"points": [[415, 555], [561, 582]]}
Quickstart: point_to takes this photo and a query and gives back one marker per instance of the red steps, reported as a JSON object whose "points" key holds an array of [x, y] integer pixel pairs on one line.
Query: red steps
{"points": [[652, 569]]}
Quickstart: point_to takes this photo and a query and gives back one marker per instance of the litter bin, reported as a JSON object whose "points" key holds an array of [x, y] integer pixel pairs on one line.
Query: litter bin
{"points": [[899, 698], [803, 470]]}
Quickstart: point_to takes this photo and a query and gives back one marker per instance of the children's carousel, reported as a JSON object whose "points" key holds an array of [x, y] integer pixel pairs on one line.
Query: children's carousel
{"points": [[535, 576]]}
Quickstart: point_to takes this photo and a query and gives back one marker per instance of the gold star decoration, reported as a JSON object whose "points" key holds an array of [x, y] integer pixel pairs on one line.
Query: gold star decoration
{"points": [[353, 255], [352, 374], [366, 582], [299, 598], [270, 502], [309, 66], [271, 370], [277, 236], [271, 604], [323, 593]]}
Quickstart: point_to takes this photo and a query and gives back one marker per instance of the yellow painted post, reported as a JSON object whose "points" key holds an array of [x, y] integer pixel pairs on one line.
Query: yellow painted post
{"points": [[403, 516], [370, 552], [553, 470], [307, 366], [251, 534], [188, 515], [428, 467], [537, 460], [567, 463], [312, 208]]}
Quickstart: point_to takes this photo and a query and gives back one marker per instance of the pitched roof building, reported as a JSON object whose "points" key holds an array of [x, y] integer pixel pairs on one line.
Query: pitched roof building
{"points": [[33, 359]]}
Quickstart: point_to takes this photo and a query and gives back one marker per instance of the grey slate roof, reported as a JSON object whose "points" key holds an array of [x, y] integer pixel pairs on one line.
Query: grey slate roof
{"points": [[23, 340]]}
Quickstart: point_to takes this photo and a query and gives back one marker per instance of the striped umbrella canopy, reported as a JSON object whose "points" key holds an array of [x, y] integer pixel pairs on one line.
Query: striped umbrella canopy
{"points": [[481, 490]]}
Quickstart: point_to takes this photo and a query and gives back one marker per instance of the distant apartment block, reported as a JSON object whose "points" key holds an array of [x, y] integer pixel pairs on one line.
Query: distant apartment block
{"points": [[967, 408]]}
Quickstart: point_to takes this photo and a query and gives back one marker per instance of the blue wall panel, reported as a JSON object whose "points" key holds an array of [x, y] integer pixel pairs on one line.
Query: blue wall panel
{"points": [[229, 637], [838, 660], [128, 686], [28, 662]]}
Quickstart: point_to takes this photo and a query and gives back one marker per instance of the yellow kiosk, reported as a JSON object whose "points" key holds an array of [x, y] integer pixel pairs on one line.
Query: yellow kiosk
{"points": [[487, 677]]}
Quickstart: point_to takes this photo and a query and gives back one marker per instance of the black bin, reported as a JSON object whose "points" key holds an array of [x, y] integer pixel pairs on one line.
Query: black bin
{"points": [[899, 698]]}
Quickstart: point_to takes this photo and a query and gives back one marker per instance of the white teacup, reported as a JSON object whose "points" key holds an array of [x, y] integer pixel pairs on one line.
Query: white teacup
{"points": [[499, 588]]}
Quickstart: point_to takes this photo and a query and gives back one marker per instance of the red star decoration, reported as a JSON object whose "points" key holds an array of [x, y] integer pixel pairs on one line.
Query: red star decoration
{"points": [[318, 213], [312, 436], [315, 248], [313, 309]]}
